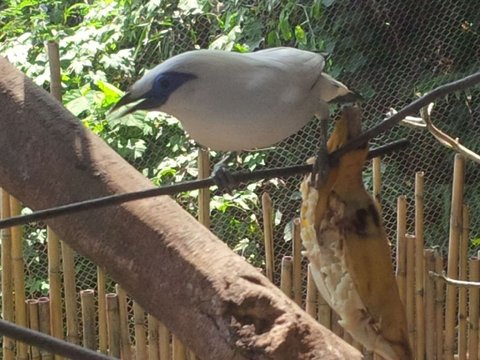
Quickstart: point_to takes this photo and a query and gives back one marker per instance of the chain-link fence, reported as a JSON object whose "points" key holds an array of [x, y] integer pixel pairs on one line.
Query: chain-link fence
{"points": [[388, 51]]}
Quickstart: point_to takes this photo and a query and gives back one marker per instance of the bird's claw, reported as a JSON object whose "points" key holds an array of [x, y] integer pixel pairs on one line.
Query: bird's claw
{"points": [[223, 178]]}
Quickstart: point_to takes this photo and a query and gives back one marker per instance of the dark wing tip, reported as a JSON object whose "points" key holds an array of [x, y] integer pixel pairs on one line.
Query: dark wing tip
{"points": [[326, 55], [351, 97]]}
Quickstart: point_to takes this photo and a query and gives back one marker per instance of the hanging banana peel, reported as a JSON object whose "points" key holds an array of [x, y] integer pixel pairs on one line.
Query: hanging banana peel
{"points": [[349, 252]]}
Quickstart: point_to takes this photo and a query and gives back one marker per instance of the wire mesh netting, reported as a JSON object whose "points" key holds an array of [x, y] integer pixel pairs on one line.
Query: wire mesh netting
{"points": [[388, 51]]}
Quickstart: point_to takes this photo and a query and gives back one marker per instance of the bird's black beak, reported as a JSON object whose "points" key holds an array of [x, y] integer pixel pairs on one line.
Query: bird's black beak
{"points": [[142, 104], [125, 100]]}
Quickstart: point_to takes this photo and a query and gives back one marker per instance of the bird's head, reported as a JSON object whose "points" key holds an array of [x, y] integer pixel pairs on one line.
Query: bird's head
{"points": [[153, 90]]}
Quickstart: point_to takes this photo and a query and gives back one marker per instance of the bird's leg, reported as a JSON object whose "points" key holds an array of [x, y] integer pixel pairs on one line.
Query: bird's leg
{"points": [[222, 176], [321, 166]]}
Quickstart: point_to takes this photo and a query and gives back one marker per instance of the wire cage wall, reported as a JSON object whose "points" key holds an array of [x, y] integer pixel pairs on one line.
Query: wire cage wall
{"points": [[388, 51]]}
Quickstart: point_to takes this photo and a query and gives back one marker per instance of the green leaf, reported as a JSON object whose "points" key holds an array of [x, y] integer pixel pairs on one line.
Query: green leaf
{"points": [[78, 105], [111, 92], [284, 26], [138, 147], [316, 10], [189, 6], [300, 35], [272, 39], [226, 42], [133, 120]]}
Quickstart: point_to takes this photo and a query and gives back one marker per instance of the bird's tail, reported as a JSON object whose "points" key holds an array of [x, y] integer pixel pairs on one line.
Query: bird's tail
{"points": [[334, 92]]}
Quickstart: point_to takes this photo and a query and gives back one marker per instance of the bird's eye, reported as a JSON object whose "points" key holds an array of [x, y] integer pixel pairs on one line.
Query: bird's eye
{"points": [[164, 83], [167, 82]]}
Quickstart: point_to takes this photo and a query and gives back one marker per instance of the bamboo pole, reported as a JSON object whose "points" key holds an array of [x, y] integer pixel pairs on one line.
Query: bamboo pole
{"points": [[126, 349], [113, 325], [473, 314], [55, 70], [55, 292], [401, 246], [33, 323], [430, 326], [377, 182], [324, 312], [452, 269], [267, 210], [140, 337], [44, 323], [18, 278], [70, 293], [87, 301], [153, 349], [410, 289], [439, 306], [164, 339], [311, 301], [286, 276], [53, 241], [102, 311], [419, 266], [8, 345], [203, 194], [179, 351], [297, 262], [462, 343]]}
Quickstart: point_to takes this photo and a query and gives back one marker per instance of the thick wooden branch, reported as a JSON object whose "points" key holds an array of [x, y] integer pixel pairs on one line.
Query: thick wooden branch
{"points": [[220, 306]]}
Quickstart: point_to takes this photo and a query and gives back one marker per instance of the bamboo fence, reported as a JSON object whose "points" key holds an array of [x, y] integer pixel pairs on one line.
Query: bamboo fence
{"points": [[443, 319]]}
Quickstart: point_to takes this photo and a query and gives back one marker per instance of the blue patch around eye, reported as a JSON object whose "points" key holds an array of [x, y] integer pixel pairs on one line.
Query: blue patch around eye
{"points": [[166, 83]]}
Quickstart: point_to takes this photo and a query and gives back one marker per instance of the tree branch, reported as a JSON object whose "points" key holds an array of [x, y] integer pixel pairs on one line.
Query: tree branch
{"points": [[446, 140], [213, 300], [450, 281], [411, 109]]}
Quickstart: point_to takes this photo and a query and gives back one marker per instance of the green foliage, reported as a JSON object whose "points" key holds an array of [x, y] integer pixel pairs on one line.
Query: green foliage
{"points": [[101, 45]]}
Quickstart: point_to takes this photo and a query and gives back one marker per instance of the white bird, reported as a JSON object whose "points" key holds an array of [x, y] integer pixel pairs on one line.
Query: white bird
{"points": [[231, 101]]}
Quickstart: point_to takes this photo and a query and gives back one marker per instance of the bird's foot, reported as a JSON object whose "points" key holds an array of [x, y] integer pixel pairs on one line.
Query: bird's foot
{"points": [[223, 177]]}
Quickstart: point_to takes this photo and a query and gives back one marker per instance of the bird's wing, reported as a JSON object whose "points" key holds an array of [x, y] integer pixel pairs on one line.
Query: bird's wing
{"points": [[287, 65], [302, 65]]}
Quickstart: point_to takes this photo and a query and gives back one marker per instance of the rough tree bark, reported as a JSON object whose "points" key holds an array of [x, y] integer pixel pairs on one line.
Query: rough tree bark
{"points": [[220, 306]]}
